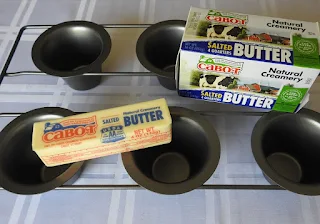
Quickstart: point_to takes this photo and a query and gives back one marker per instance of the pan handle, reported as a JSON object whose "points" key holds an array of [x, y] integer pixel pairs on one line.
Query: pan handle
{"points": [[205, 113], [10, 114]]}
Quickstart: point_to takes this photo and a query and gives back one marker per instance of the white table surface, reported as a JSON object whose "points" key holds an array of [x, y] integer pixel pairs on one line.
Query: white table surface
{"points": [[237, 164]]}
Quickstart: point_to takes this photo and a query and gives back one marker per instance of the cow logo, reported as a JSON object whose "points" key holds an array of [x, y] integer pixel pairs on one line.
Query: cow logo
{"points": [[71, 128], [219, 65], [227, 17], [112, 134]]}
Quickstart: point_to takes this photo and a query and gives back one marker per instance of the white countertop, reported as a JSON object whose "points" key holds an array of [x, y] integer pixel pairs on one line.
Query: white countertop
{"points": [[237, 165]]}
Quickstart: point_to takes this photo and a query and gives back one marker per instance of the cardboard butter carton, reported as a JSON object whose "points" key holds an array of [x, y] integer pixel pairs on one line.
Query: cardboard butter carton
{"points": [[102, 133], [261, 62]]}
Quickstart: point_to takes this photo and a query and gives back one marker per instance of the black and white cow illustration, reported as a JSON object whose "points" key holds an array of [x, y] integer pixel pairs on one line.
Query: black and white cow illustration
{"points": [[207, 80], [215, 81], [223, 31]]}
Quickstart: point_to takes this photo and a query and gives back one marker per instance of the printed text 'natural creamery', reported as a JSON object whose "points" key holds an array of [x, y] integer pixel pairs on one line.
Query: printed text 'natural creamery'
{"points": [[96, 134], [248, 60]]}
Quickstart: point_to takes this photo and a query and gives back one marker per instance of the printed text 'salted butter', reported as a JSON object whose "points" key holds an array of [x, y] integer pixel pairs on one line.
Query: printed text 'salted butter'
{"points": [[102, 133], [248, 60]]}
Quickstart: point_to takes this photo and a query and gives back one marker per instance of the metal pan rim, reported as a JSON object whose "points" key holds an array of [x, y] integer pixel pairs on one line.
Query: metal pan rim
{"points": [[141, 43], [37, 188], [106, 48], [192, 183], [256, 144]]}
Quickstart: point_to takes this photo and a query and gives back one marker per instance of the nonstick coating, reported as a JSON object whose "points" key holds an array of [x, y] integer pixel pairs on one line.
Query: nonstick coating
{"points": [[21, 170], [187, 162], [71, 48], [286, 147], [83, 82], [157, 49]]}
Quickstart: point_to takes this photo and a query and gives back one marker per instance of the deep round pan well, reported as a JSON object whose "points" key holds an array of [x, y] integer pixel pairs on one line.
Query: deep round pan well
{"points": [[21, 170], [158, 47], [287, 149], [184, 164], [71, 49]]}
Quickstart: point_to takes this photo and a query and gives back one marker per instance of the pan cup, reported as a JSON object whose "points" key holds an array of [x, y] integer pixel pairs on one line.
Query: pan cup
{"points": [[157, 49], [21, 170], [182, 165], [286, 147], [70, 49]]}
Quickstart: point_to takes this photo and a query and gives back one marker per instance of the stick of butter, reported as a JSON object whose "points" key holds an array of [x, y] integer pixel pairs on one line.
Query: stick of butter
{"points": [[101, 133]]}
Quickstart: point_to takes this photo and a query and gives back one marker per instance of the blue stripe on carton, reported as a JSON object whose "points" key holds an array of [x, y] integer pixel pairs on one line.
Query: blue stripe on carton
{"points": [[228, 97], [248, 51]]}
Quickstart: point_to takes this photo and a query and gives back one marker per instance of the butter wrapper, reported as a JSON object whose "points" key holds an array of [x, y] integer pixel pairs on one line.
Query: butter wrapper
{"points": [[102, 133], [247, 60]]}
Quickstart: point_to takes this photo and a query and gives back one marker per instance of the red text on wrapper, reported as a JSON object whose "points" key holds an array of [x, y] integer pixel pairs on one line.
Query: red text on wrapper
{"points": [[219, 68], [139, 133], [221, 19], [69, 129]]}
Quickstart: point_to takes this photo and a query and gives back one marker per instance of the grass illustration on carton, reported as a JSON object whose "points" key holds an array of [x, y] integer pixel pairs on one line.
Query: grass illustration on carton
{"points": [[202, 28], [234, 84], [195, 77]]}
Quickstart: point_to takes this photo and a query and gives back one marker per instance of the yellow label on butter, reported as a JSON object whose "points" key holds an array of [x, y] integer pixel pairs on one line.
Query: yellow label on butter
{"points": [[101, 133]]}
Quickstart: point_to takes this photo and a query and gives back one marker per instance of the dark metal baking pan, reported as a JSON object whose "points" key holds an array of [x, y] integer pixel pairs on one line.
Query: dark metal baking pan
{"points": [[158, 47], [184, 164], [21, 170], [71, 49], [287, 148], [212, 183]]}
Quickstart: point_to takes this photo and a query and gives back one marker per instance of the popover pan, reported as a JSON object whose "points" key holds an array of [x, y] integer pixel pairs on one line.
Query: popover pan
{"points": [[286, 146], [70, 49], [21, 170], [158, 47], [184, 164]]}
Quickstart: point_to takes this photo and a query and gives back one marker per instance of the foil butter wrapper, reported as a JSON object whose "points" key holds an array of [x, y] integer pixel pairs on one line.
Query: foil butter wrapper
{"points": [[102, 133]]}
